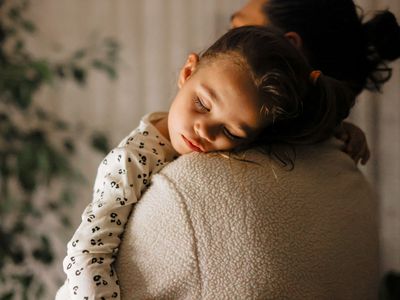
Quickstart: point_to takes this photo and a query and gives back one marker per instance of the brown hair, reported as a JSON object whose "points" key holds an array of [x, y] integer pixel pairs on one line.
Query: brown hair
{"points": [[338, 42], [302, 111]]}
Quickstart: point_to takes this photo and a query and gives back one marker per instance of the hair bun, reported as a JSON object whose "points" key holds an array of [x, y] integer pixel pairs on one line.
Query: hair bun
{"points": [[383, 33]]}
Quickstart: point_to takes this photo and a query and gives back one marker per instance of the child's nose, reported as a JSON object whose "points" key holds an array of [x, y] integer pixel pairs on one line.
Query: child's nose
{"points": [[206, 131]]}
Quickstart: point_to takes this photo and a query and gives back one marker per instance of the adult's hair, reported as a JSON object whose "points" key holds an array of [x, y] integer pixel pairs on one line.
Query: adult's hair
{"points": [[301, 110], [336, 41]]}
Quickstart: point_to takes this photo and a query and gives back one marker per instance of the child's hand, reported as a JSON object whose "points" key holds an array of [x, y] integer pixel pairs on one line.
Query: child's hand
{"points": [[355, 142]]}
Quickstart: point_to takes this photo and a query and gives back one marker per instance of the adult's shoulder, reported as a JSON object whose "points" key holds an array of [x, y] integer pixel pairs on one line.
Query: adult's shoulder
{"points": [[325, 158], [206, 220]]}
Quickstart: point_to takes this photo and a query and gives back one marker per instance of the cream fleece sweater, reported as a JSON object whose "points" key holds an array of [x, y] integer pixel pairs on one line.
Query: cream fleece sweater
{"points": [[213, 228]]}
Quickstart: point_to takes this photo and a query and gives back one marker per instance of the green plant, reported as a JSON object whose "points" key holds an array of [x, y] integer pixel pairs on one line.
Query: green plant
{"points": [[30, 160]]}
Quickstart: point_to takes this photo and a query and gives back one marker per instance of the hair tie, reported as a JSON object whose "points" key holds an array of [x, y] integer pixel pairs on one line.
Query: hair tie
{"points": [[314, 75]]}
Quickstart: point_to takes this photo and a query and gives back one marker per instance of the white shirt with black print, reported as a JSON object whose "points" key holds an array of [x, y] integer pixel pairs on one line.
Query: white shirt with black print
{"points": [[122, 177]]}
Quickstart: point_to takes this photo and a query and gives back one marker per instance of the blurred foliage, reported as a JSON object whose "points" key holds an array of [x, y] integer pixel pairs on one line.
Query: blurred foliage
{"points": [[29, 158]]}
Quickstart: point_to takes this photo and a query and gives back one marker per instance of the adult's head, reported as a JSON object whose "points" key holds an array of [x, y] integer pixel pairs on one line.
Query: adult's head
{"points": [[333, 37], [253, 88]]}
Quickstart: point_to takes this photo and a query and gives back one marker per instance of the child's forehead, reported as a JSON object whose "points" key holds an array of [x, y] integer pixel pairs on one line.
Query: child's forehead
{"points": [[227, 72], [229, 86], [233, 58]]}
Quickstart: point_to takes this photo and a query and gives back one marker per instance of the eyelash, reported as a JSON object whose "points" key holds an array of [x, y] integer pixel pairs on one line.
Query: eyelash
{"points": [[202, 108], [230, 135]]}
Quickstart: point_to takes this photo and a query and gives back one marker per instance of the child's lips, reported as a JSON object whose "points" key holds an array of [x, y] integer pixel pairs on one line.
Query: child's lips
{"points": [[192, 145]]}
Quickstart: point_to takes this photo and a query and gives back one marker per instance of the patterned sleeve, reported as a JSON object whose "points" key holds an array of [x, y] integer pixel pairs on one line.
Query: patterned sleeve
{"points": [[121, 178]]}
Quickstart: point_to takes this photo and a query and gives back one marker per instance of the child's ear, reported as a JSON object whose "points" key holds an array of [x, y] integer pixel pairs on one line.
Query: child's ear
{"points": [[295, 39], [188, 69]]}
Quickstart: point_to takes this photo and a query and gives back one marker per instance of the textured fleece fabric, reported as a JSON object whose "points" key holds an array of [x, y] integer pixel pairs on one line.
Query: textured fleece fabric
{"points": [[214, 228]]}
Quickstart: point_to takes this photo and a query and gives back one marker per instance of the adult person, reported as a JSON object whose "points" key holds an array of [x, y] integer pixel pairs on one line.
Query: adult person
{"points": [[220, 228], [217, 228], [332, 36]]}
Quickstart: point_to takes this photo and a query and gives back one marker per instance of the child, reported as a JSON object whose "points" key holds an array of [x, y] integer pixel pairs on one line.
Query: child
{"points": [[251, 88]]}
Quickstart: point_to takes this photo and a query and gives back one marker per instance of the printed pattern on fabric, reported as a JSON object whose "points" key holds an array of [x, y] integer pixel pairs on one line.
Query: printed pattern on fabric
{"points": [[121, 178]]}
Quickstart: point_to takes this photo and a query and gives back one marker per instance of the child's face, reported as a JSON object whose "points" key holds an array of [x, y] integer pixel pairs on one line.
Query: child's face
{"points": [[216, 108]]}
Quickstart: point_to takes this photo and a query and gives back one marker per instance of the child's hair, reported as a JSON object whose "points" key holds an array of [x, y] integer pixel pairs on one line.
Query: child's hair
{"points": [[336, 41], [302, 110]]}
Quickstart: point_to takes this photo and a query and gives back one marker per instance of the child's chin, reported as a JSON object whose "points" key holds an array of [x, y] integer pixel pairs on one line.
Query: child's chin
{"points": [[184, 151], [179, 148]]}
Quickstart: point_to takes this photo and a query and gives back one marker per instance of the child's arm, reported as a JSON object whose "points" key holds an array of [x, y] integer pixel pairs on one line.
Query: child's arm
{"points": [[120, 180], [355, 142], [91, 250]]}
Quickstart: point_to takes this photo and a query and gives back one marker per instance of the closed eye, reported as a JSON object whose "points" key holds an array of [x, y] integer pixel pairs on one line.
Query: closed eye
{"points": [[200, 105], [231, 136]]}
